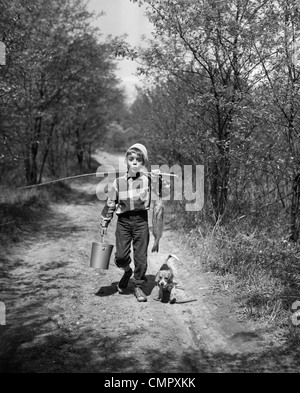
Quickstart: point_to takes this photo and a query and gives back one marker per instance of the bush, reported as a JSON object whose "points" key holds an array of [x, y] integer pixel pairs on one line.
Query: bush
{"points": [[22, 211], [261, 271]]}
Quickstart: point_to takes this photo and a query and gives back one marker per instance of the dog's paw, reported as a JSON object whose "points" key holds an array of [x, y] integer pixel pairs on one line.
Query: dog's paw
{"points": [[173, 300]]}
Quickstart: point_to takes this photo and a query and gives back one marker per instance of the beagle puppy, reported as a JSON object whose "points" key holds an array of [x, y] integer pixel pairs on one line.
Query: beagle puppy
{"points": [[165, 281]]}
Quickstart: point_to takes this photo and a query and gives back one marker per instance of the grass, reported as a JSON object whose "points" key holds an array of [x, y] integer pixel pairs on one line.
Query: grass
{"points": [[255, 262], [21, 211], [252, 257]]}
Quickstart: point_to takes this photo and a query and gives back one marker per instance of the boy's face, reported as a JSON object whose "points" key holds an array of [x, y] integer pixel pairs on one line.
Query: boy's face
{"points": [[134, 163]]}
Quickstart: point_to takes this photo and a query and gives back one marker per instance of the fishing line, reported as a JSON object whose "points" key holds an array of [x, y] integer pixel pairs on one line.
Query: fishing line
{"points": [[56, 181], [100, 174]]}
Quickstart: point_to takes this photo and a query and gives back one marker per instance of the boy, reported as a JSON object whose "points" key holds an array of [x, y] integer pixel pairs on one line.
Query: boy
{"points": [[130, 198]]}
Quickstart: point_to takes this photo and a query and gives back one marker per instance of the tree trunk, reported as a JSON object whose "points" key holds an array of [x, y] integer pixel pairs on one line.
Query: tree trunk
{"points": [[80, 147], [67, 151], [49, 140], [31, 165], [219, 185], [51, 161], [295, 210], [89, 158], [31, 169], [79, 154]]}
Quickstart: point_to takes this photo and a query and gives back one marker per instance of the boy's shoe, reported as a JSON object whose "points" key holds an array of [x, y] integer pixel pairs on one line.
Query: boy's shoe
{"points": [[123, 284], [139, 294]]}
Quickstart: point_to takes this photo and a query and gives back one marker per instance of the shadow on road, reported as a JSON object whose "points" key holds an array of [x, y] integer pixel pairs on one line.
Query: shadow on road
{"points": [[87, 350], [113, 288]]}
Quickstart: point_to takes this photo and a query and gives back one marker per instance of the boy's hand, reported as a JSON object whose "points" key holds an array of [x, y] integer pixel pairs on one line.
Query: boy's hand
{"points": [[103, 230], [103, 227], [155, 173]]}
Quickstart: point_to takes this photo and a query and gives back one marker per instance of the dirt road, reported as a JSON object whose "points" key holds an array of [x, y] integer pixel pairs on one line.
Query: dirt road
{"points": [[63, 316]]}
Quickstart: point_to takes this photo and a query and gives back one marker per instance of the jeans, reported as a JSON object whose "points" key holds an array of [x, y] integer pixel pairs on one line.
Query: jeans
{"points": [[132, 227]]}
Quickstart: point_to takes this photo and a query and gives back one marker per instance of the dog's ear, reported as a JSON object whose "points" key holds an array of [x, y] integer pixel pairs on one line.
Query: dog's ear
{"points": [[170, 277], [157, 277]]}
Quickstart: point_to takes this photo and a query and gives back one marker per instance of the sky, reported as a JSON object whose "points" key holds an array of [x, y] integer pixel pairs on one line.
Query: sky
{"points": [[123, 17]]}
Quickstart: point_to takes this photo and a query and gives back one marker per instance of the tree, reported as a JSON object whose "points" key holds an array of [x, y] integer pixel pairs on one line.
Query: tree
{"points": [[57, 86], [281, 88], [208, 48]]}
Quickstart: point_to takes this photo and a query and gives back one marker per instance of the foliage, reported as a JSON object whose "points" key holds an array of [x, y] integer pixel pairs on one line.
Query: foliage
{"points": [[223, 91], [58, 89]]}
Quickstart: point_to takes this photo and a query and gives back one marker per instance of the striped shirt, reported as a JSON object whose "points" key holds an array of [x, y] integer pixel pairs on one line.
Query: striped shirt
{"points": [[132, 194]]}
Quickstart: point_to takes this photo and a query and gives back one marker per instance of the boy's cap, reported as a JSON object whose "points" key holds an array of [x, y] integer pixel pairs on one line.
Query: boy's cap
{"points": [[142, 149]]}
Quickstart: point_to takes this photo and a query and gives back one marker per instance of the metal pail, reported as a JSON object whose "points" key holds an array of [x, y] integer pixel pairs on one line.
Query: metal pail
{"points": [[100, 256]]}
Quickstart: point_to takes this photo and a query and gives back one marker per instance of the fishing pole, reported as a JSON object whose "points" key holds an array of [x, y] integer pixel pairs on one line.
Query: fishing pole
{"points": [[143, 173], [103, 173], [56, 181]]}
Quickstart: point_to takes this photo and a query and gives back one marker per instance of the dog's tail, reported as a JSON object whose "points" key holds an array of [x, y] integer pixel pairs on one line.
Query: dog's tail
{"points": [[173, 256]]}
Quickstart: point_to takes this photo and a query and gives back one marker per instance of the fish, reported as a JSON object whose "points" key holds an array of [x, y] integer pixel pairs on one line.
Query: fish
{"points": [[157, 222]]}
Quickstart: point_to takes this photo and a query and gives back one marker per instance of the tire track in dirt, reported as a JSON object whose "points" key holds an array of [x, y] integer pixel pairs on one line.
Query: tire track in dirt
{"points": [[64, 316]]}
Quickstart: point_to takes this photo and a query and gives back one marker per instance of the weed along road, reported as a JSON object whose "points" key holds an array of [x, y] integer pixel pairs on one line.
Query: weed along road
{"points": [[63, 316]]}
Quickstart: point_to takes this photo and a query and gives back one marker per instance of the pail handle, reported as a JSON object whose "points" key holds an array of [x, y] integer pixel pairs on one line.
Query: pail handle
{"points": [[102, 234]]}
